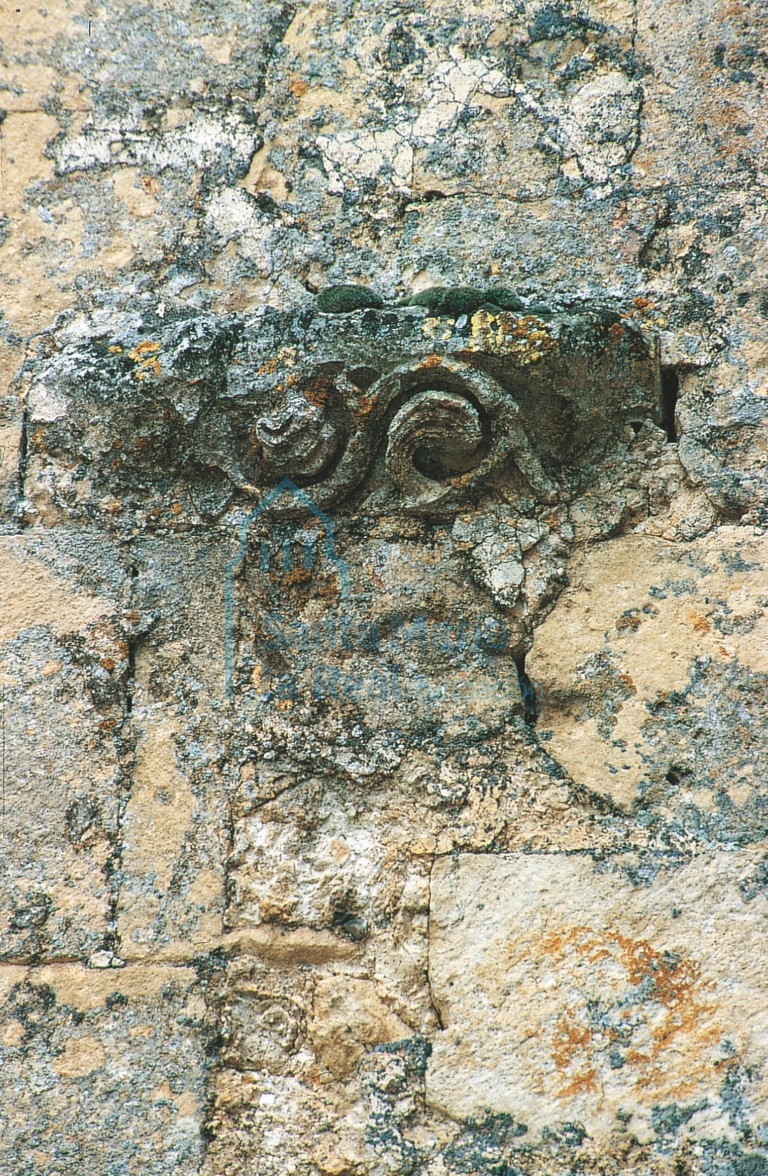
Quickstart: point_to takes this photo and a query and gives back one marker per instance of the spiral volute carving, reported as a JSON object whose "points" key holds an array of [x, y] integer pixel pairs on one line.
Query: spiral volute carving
{"points": [[434, 436], [300, 440], [438, 428]]}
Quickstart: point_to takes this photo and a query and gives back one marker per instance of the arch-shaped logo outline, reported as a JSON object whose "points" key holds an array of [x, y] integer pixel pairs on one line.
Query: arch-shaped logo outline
{"points": [[234, 564]]}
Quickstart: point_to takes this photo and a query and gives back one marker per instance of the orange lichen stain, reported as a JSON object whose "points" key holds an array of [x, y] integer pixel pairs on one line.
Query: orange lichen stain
{"points": [[295, 576], [284, 704], [318, 390], [431, 361], [701, 624], [117, 443], [176, 508], [671, 993], [144, 355], [366, 404], [726, 116], [328, 588], [298, 87], [286, 356], [641, 307], [616, 331], [568, 1040]]}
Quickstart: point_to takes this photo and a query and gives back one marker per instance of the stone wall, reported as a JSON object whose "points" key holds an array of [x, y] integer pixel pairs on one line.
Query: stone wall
{"points": [[383, 624]]}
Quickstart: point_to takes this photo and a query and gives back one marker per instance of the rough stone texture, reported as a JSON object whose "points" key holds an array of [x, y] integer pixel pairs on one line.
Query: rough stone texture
{"points": [[65, 760], [104, 1070], [591, 995], [651, 673], [408, 816]]}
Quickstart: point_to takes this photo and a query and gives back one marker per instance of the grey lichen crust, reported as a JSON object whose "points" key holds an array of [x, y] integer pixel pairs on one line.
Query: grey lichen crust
{"points": [[383, 563]]}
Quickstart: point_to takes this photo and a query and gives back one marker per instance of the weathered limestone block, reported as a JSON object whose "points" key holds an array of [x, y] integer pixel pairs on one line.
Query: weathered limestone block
{"points": [[292, 1017], [653, 670], [175, 827], [591, 996], [63, 670], [173, 851], [104, 1070]]}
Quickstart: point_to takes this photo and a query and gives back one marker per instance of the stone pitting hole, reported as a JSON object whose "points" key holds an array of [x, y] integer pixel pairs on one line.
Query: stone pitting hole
{"points": [[670, 389], [527, 693]]}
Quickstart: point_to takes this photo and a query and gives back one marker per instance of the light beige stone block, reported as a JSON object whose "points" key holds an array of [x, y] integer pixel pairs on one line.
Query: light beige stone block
{"points": [[570, 994], [641, 618], [63, 662]]}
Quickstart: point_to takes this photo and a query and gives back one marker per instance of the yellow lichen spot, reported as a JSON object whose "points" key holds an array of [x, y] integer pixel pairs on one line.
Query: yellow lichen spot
{"points": [[317, 390], [525, 338], [115, 350], [435, 328], [285, 357], [144, 355], [284, 704], [365, 404]]}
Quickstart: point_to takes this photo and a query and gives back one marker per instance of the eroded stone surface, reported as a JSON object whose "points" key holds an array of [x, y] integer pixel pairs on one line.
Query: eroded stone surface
{"points": [[593, 997], [653, 681], [215, 760], [90, 1055], [63, 671]]}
